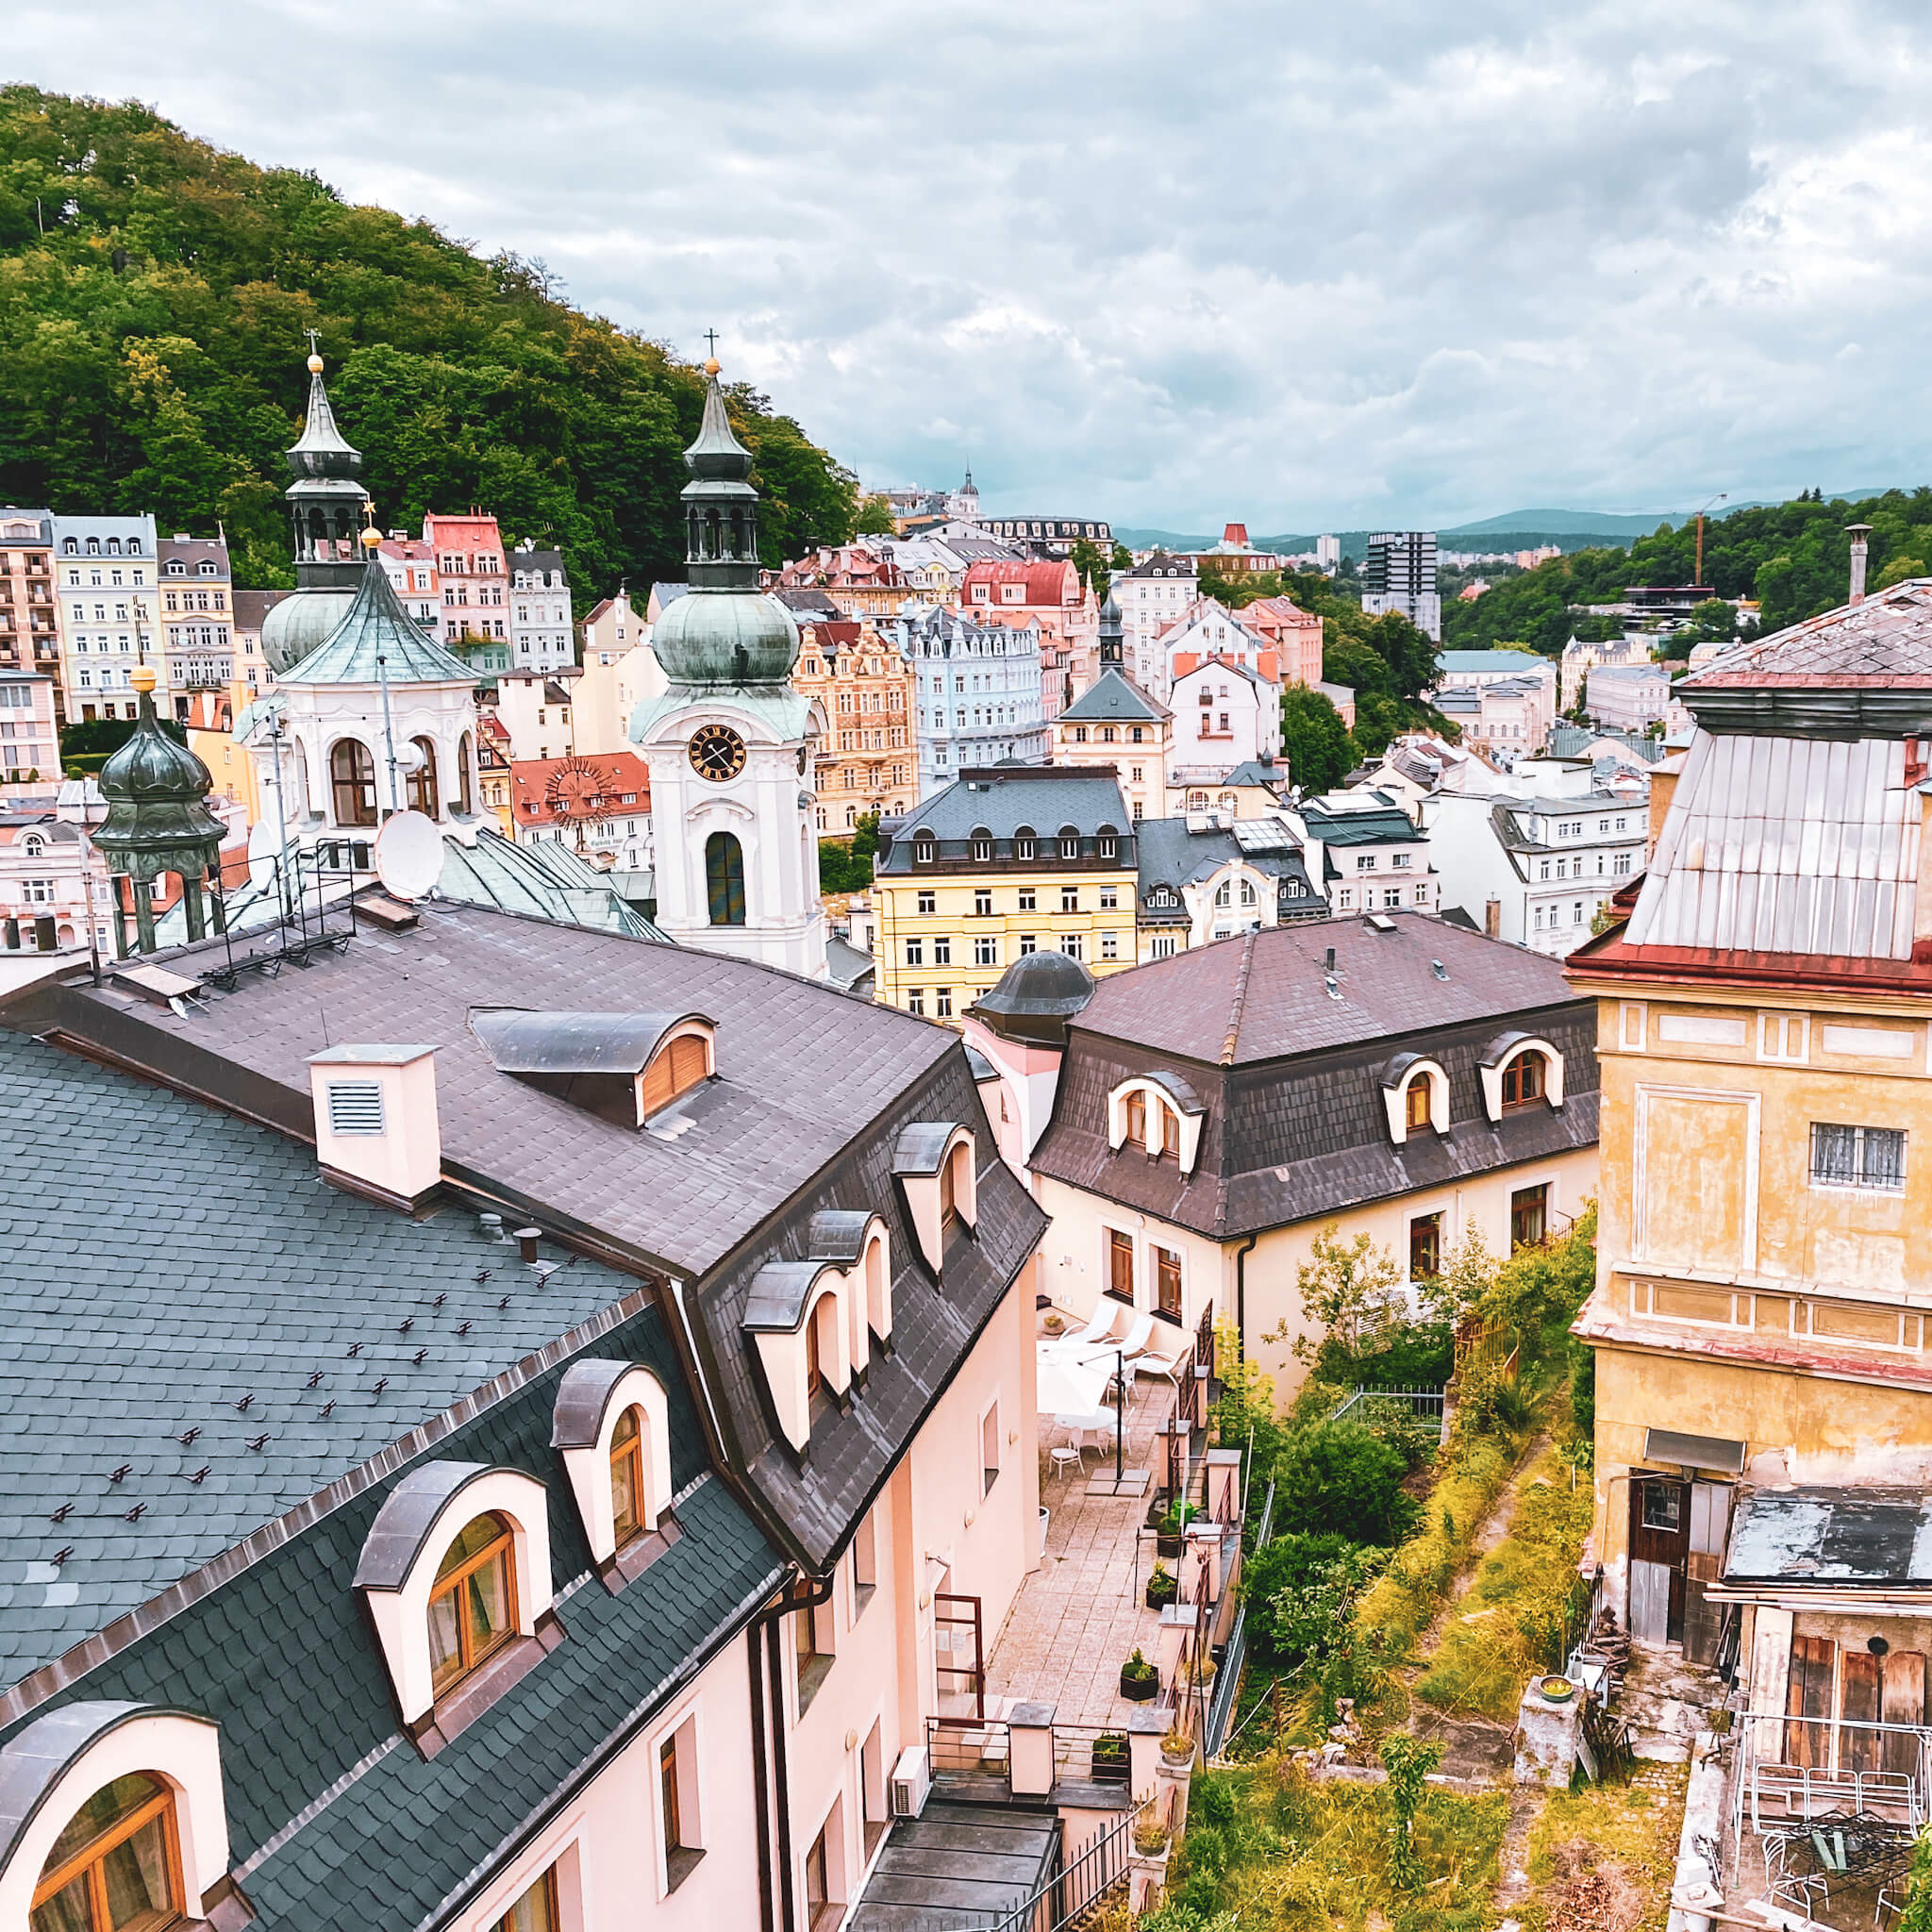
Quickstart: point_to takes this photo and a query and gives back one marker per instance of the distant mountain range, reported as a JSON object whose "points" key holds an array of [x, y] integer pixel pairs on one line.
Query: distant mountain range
{"points": [[1572, 529]]}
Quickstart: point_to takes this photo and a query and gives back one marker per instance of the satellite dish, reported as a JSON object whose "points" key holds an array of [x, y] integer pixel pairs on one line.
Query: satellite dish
{"points": [[409, 855]]}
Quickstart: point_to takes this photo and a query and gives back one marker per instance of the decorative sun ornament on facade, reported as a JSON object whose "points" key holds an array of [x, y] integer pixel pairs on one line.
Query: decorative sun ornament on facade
{"points": [[576, 790]]}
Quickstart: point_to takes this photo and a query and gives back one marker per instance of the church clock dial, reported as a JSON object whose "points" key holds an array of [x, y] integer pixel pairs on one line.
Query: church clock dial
{"points": [[717, 753]]}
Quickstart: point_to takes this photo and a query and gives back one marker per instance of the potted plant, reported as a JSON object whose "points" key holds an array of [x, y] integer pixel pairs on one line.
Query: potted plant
{"points": [[1140, 1680], [1056, 1323], [1162, 1588], [1150, 1837], [1200, 1672], [1110, 1758], [1177, 1747], [1166, 1536]]}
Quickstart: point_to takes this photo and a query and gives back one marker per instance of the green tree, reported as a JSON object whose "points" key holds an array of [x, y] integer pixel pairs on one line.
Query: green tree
{"points": [[1345, 1287], [1408, 1763], [1314, 740], [1341, 1479], [151, 352], [874, 518], [1094, 565]]}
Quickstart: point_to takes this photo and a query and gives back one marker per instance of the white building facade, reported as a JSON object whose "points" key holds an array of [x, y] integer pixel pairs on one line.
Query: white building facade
{"points": [[539, 621], [104, 596], [977, 691]]}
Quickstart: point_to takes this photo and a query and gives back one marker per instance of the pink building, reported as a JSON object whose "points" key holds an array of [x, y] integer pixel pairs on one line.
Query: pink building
{"points": [[1295, 633], [29, 739], [1045, 594], [467, 557]]}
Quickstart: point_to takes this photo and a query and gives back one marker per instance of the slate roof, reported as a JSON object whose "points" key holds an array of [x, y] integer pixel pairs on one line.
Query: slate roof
{"points": [[1171, 854], [1295, 1126], [1366, 827], [1113, 698], [228, 1268], [1270, 773], [812, 1088], [1004, 801], [1885, 640]]}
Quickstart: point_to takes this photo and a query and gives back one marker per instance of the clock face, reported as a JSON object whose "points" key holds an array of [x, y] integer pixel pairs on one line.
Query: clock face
{"points": [[717, 753]]}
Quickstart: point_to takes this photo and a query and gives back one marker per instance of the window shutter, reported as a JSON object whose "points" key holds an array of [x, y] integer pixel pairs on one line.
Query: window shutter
{"points": [[687, 1062], [660, 1086]]}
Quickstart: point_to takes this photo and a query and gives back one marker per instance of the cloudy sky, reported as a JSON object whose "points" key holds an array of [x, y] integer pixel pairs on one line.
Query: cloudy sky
{"points": [[1311, 266]]}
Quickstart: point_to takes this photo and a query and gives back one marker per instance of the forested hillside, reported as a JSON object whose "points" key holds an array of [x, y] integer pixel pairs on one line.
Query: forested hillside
{"points": [[153, 297], [1794, 558]]}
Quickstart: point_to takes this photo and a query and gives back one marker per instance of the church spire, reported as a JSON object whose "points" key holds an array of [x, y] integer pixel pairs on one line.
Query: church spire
{"points": [[719, 504], [158, 821], [326, 500], [1111, 630]]}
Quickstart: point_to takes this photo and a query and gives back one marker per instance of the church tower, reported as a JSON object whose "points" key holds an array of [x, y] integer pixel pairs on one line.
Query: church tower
{"points": [[729, 743], [1111, 632], [327, 506]]}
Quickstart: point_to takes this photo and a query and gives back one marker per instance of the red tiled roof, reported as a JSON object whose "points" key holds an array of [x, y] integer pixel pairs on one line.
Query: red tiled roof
{"points": [[1046, 582], [622, 777]]}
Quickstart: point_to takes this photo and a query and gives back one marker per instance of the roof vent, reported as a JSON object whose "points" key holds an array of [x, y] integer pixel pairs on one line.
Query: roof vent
{"points": [[1379, 922], [1328, 960], [1333, 984], [1437, 967]]}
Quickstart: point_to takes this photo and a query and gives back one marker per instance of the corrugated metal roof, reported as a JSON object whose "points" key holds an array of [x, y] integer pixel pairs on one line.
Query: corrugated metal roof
{"points": [[1786, 845]]}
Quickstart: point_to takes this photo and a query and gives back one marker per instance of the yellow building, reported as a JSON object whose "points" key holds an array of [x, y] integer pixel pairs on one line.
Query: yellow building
{"points": [[1006, 862], [868, 760], [1114, 724], [1762, 1318]]}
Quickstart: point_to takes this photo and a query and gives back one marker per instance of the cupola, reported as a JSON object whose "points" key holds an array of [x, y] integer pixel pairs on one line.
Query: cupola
{"points": [[159, 821]]}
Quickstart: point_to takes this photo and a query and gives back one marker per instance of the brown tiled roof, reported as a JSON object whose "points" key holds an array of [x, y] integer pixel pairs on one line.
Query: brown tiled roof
{"points": [[1885, 640], [1263, 996]]}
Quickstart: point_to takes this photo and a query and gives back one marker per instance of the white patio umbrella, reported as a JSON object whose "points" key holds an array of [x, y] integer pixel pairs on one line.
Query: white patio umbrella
{"points": [[1068, 1388]]}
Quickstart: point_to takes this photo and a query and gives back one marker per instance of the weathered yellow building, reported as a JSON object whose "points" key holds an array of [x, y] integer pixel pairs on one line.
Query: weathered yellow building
{"points": [[1003, 862], [1762, 1318], [867, 760]]}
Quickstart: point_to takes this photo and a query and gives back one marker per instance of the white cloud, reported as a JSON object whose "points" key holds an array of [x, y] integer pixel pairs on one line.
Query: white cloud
{"points": [[1180, 263]]}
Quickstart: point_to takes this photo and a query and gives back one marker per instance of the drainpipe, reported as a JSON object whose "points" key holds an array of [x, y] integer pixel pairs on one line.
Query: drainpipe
{"points": [[761, 1797], [819, 1592], [1241, 1297]]}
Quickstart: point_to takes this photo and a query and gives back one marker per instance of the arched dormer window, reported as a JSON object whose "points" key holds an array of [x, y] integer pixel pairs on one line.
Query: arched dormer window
{"points": [[1108, 842], [924, 848], [982, 843], [455, 1572], [1070, 841], [34, 845], [935, 1164], [1248, 893], [1024, 845], [1159, 1114], [421, 790], [612, 1426], [1519, 1071], [113, 1818], [1415, 1093], [1224, 893]]}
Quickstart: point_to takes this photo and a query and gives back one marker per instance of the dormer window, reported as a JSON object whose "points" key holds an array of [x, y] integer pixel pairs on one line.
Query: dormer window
{"points": [[114, 1866], [924, 849], [1417, 1095], [623, 1067], [627, 1478], [612, 1427], [1069, 843], [1159, 1113], [1524, 1079], [982, 844], [1024, 843], [473, 1605]]}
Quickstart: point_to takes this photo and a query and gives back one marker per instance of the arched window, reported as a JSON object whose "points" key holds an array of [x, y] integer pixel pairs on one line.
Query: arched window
{"points": [[1524, 1079], [1197, 800], [725, 879], [34, 845], [465, 755], [1137, 1118], [1416, 1101], [117, 1866], [955, 1181], [1070, 841], [924, 849], [982, 843], [1248, 893], [814, 1368], [1223, 894], [351, 771], [1170, 1132], [1023, 842], [421, 790], [473, 1605], [628, 1477]]}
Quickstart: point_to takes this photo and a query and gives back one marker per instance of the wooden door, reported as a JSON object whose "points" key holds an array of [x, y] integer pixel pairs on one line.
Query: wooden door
{"points": [[1901, 1701], [1858, 1749], [1660, 1535], [1807, 1702]]}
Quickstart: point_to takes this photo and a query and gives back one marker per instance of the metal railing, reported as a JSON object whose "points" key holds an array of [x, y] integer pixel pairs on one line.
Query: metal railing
{"points": [[965, 1745], [1098, 1868], [1090, 1754], [1794, 1768], [1227, 1679], [1420, 1402]]}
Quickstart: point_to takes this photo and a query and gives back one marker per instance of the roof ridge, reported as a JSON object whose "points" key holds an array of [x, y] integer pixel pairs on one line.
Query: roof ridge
{"points": [[1231, 1043]]}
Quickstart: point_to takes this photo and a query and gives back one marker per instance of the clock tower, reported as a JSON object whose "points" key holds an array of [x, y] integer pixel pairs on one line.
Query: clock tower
{"points": [[729, 743]]}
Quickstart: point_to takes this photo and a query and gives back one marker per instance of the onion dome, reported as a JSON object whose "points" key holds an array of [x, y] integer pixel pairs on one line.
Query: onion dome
{"points": [[1035, 997], [157, 791], [725, 631]]}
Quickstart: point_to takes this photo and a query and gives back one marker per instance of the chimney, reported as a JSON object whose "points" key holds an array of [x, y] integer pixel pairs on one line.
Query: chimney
{"points": [[1857, 533], [377, 1130]]}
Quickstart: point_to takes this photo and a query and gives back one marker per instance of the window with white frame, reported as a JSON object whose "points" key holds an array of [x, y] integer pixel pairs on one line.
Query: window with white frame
{"points": [[1853, 1157]]}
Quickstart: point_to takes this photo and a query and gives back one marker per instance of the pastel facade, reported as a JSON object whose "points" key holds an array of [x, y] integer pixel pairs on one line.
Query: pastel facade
{"points": [[868, 760], [1628, 697], [1114, 723], [619, 673], [599, 807], [978, 691], [1226, 714], [1759, 1345], [29, 618], [196, 619], [541, 635], [1188, 1166], [105, 601], [1365, 853]]}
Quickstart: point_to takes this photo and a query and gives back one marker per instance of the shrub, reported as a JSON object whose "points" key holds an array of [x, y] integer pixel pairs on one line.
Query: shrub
{"points": [[1305, 1599], [1582, 1390], [1341, 1476], [1490, 1404], [1413, 1355]]}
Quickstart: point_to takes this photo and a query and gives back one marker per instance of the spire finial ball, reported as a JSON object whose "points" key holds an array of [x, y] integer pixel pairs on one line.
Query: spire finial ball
{"points": [[315, 365], [371, 538], [142, 677], [712, 365]]}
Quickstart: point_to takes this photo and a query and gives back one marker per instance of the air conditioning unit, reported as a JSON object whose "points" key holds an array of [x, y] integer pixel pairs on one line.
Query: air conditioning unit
{"points": [[912, 1782]]}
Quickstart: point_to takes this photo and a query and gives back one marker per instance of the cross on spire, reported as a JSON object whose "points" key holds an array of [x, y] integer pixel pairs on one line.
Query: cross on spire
{"points": [[711, 341]]}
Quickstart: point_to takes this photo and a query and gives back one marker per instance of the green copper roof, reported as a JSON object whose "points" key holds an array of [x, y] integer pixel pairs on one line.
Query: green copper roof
{"points": [[379, 627], [322, 449], [157, 792]]}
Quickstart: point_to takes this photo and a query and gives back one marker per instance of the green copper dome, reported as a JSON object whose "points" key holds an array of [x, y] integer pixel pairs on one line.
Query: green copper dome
{"points": [[725, 630]]}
